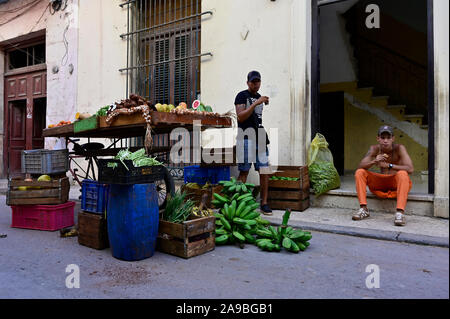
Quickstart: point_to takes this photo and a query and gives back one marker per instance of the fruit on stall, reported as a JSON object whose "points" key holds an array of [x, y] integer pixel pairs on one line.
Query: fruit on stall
{"points": [[82, 116], [44, 178], [61, 123]]}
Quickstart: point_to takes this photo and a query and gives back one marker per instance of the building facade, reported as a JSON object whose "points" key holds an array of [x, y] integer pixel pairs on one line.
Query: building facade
{"points": [[318, 61]]}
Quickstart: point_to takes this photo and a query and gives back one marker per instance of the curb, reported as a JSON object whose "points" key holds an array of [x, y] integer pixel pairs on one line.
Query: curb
{"points": [[368, 233]]}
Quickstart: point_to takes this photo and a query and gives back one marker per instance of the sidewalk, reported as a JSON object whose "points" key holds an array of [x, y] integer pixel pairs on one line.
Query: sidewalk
{"points": [[418, 230]]}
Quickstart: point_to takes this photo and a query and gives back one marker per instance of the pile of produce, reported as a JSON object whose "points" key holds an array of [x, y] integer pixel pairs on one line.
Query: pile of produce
{"points": [[169, 107], [239, 222], [42, 178], [197, 186], [178, 209], [61, 123], [323, 176], [272, 239], [139, 159], [281, 178], [202, 210]]}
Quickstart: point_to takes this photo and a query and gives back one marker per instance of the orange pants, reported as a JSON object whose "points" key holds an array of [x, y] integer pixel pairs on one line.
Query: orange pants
{"points": [[383, 186]]}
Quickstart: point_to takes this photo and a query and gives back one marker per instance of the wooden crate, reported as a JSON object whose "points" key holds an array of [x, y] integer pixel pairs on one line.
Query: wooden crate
{"points": [[45, 193], [290, 194], [92, 230], [196, 194], [191, 238], [166, 118]]}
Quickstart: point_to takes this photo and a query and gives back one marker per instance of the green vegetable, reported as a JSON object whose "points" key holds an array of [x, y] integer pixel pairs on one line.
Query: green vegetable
{"points": [[177, 209], [103, 111], [323, 177]]}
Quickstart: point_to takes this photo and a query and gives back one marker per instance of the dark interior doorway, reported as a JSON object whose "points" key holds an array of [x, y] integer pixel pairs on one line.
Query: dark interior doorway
{"points": [[388, 76]]}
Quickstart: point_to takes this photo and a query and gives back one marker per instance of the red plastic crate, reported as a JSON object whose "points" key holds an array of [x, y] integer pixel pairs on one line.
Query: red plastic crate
{"points": [[43, 217]]}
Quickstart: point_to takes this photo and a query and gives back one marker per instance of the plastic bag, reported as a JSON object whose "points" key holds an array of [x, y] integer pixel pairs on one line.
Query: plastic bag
{"points": [[322, 173]]}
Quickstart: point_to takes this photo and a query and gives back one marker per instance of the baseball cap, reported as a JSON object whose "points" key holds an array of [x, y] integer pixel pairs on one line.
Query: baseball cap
{"points": [[253, 75], [385, 129]]}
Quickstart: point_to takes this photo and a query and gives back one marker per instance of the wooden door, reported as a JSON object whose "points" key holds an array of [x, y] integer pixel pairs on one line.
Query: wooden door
{"points": [[25, 113]]}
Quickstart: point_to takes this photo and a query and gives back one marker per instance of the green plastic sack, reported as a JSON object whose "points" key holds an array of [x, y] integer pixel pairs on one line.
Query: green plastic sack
{"points": [[323, 176]]}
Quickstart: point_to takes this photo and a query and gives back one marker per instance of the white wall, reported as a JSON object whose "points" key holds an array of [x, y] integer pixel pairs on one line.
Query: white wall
{"points": [[441, 76], [277, 46], [102, 53]]}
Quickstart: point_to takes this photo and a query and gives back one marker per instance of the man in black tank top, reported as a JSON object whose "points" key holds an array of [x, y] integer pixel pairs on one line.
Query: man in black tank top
{"points": [[252, 140], [393, 180]]}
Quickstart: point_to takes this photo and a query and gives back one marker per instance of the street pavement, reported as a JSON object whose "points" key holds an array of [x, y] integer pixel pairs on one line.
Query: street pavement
{"points": [[33, 265]]}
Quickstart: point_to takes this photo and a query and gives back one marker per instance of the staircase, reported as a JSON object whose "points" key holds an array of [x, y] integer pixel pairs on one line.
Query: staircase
{"points": [[406, 125]]}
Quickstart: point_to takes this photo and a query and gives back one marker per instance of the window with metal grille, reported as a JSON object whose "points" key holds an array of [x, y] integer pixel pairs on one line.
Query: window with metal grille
{"points": [[163, 53], [164, 50]]}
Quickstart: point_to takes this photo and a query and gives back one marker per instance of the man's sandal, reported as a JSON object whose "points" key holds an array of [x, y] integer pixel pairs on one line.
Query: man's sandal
{"points": [[361, 214], [399, 219]]}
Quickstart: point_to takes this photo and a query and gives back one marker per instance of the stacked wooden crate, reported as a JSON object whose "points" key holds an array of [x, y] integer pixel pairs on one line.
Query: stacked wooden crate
{"points": [[293, 194]]}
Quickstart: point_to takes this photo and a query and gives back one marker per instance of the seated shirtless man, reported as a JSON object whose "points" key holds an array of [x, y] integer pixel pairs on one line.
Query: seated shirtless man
{"points": [[392, 182]]}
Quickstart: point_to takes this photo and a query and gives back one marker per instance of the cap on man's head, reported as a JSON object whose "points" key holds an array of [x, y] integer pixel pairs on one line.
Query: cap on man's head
{"points": [[385, 129], [253, 75]]}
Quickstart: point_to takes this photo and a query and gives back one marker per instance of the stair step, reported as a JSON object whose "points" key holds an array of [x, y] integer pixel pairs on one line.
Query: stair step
{"points": [[397, 110], [380, 97], [418, 204], [379, 101], [412, 116], [425, 127]]}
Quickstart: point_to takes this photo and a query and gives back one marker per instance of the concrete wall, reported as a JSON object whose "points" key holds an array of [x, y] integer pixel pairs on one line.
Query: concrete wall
{"points": [[273, 38], [441, 77]]}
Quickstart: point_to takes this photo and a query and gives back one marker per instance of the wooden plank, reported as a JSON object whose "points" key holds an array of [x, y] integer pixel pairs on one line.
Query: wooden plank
{"points": [[51, 184], [281, 195], [35, 193], [200, 226], [60, 130], [172, 229], [300, 184], [166, 118], [294, 205], [35, 201], [201, 246], [170, 246]]}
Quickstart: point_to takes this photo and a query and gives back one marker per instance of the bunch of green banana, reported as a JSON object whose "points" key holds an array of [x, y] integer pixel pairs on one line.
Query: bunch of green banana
{"points": [[272, 239], [234, 186], [237, 222]]}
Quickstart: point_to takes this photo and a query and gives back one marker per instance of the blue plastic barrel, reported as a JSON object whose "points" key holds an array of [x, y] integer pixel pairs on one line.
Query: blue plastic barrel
{"points": [[133, 220]]}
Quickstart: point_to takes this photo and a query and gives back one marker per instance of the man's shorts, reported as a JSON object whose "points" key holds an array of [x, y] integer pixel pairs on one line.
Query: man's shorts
{"points": [[246, 151]]}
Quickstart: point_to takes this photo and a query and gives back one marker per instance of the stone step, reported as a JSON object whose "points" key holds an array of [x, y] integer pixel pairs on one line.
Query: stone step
{"points": [[414, 118], [397, 110], [418, 204], [379, 101]]}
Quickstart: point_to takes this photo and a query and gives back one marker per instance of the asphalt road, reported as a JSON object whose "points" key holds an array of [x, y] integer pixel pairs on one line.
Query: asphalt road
{"points": [[33, 265]]}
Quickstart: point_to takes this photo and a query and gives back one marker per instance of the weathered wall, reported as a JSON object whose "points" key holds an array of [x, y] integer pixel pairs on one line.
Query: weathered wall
{"points": [[61, 51], [273, 38], [102, 53], [441, 75]]}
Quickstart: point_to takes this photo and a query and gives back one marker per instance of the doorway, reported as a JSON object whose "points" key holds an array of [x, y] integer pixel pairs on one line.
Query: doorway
{"points": [[25, 103], [365, 76]]}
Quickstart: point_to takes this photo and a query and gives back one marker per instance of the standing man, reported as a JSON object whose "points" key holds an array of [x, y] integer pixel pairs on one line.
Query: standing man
{"points": [[249, 107], [392, 182]]}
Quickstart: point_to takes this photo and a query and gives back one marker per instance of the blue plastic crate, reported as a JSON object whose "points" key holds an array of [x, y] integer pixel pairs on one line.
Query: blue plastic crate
{"points": [[94, 196], [202, 175]]}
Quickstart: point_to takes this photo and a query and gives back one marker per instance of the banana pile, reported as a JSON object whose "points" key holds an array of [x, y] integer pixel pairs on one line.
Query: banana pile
{"points": [[239, 222], [234, 186], [272, 239], [238, 219]]}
